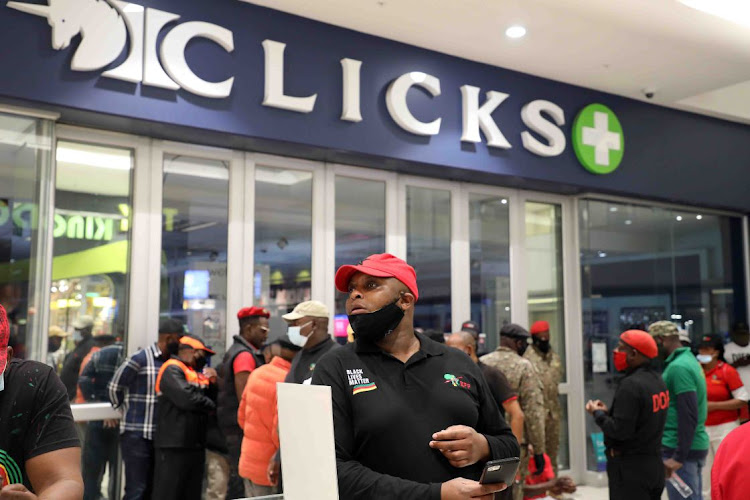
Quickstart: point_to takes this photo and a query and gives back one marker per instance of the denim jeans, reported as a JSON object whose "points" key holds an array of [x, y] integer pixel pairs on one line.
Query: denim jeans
{"points": [[690, 472], [138, 457]]}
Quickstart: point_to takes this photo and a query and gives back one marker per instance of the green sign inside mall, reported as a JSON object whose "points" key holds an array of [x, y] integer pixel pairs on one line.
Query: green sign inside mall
{"points": [[598, 140]]}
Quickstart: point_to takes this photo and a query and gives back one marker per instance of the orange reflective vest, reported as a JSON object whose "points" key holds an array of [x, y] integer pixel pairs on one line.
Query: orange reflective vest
{"points": [[193, 377]]}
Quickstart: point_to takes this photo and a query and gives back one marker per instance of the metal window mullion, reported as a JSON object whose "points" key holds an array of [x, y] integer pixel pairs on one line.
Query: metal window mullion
{"points": [[318, 262], [329, 235], [519, 307], [746, 261], [395, 217], [235, 243], [460, 259], [248, 231]]}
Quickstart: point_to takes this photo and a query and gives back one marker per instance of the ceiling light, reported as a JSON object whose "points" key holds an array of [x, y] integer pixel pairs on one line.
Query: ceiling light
{"points": [[114, 159], [613, 209], [699, 217], [602, 254], [515, 32], [628, 222], [736, 11], [678, 218], [504, 201]]}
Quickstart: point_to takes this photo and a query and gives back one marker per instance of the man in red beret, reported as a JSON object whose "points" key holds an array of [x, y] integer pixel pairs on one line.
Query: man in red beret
{"points": [[243, 356], [412, 418], [547, 363], [634, 425]]}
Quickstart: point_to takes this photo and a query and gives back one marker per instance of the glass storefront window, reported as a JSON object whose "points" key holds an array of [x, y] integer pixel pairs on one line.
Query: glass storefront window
{"points": [[489, 228], [90, 267], [544, 271], [283, 242], [642, 264], [195, 225], [428, 244], [360, 229], [25, 159]]}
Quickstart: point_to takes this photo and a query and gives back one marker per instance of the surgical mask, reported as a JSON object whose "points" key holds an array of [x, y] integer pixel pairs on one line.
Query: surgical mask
{"points": [[704, 359], [620, 360], [373, 327], [2, 382], [295, 335], [77, 336], [542, 345]]}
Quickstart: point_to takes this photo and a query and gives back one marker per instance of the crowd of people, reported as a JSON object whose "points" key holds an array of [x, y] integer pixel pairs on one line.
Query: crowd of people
{"points": [[416, 414]]}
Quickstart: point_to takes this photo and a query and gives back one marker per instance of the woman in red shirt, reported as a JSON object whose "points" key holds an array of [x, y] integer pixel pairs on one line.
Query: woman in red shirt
{"points": [[726, 396]]}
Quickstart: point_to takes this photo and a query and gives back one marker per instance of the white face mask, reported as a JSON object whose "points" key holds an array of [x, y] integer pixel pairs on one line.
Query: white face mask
{"points": [[704, 359], [295, 335], [77, 336]]}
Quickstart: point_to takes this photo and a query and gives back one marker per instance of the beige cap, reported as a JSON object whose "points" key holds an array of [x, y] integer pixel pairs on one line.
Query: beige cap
{"points": [[311, 308], [684, 337], [83, 322], [56, 331]]}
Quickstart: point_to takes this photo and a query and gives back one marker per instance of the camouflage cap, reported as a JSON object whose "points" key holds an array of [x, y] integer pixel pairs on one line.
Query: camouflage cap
{"points": [[663, 329]]}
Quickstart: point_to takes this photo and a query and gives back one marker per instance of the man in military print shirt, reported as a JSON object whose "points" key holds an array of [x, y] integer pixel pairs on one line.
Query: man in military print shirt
{"points": [[524, 380], [547, 363]]}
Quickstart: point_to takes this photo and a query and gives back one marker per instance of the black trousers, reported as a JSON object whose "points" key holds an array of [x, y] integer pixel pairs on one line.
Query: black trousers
{"points": [[235, 488], [99, 449], [635, 477], [179, 474]]}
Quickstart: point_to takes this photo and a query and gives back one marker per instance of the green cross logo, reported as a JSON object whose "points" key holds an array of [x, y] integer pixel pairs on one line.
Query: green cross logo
{"points": [[598, 140]]}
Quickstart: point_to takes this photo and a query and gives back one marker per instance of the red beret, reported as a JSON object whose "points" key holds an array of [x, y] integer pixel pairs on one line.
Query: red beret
{"points": [[382, 265], [539, 327], [641, 341], [247, 312]]}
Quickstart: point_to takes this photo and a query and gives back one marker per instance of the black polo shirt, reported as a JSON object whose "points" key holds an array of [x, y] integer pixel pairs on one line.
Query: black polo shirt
{"points": [[385, 413], [35, 418], [304, 362], [499, 386]]}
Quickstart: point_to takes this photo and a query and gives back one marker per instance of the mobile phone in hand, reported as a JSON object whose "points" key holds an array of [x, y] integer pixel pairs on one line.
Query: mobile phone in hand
{"points": [[500, 471]]}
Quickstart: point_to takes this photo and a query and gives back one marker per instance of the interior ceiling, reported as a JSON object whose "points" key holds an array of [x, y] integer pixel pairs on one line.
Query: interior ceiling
{"points": [[692, 60]]}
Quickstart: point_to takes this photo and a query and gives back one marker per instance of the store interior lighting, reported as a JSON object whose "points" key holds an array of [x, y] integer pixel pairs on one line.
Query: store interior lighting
{"points": [[516, 31]]}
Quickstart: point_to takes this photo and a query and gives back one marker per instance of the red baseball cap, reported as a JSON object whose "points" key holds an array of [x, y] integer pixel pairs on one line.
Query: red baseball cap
{"points": [[641, 341], [381, 265], [247, 312], [539, 327], [4, 336]]}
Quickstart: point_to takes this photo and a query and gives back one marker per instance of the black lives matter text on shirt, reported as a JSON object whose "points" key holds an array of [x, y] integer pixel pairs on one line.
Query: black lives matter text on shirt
{"points": [[35, 418]]}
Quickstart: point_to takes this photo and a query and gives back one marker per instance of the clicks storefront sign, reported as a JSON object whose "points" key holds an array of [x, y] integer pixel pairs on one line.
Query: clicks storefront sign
{"points": [[236, 74]]}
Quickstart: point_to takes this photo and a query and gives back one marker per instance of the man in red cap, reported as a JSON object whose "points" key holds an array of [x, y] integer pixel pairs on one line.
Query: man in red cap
{"points": [[39, 449], [412, 418], [186, 390], [243, 356], [547, 363], [634, 425]]}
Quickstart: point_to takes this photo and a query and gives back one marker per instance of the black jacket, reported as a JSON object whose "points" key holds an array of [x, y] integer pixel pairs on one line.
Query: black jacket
{"points": [[72, 366], [635, 422], [228, 403], [183, 411]]}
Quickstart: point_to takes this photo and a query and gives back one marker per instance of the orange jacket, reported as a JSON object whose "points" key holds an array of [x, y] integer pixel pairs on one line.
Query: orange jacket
{"points": [[257, 418]]}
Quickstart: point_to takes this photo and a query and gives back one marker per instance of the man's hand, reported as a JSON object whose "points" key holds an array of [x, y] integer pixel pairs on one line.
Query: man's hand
{"points": [[593, 406], [111, 423], [210, 373], [273, 471], [670, 467], [16, 492], [463, 489], [461, 445], [563, 484]]}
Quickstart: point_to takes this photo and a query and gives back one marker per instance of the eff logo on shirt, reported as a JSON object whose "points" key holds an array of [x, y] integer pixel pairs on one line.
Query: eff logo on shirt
{"points": [[10, 473], [456, 381]]}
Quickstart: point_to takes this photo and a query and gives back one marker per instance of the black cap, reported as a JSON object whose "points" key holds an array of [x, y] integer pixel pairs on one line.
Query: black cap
{"points": [[740, 327], [514, 330], [713, 340], [171, 325], [471, 327]]}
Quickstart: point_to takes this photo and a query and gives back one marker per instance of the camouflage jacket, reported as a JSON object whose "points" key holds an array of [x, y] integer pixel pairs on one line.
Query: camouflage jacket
{"points": [[549, 368], [523, 379]]}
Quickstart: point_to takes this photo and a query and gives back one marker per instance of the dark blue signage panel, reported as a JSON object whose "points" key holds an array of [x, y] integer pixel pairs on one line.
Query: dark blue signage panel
{"points": [[200, 65]]}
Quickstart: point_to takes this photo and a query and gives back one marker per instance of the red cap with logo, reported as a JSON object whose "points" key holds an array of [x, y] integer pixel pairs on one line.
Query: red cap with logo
{"points": [[539, 327], [4, 336], [247, 312], [381, 265], [641, 341]]}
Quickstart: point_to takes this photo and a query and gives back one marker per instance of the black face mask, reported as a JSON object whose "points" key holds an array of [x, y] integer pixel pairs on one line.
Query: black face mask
{"points": [[523, 346], [200, 364], [542, 345], [173, 348], [374, 326]]}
